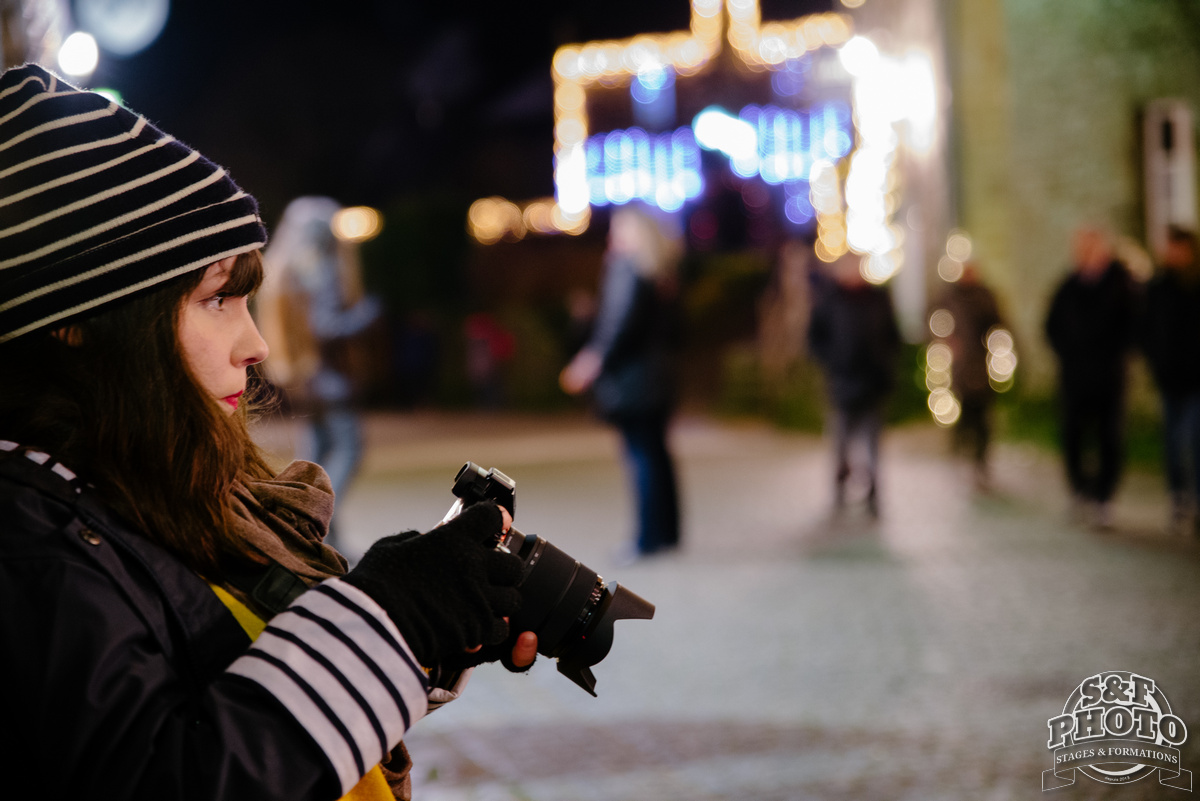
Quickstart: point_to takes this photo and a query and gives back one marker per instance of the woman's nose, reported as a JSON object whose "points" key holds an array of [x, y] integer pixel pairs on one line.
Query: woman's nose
{"points": [[252, 348]]}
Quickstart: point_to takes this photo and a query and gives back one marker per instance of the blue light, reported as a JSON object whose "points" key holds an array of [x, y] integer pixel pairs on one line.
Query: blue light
{"points": [[837, 130], [717, 129], [779, 145], [630, 164], [649, 82], [653, 92], [797, 206]]}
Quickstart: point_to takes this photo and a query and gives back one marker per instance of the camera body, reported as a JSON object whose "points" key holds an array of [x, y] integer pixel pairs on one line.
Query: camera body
{"points": [[567, 604]]}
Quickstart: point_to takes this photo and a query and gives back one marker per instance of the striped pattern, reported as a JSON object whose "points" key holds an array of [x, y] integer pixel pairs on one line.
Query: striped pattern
{"points": [[42, 458], [339, 665], [97, 204]]}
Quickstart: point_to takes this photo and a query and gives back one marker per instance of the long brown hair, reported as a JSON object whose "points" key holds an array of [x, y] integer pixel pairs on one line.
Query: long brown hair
{"points": [[119, 406]]}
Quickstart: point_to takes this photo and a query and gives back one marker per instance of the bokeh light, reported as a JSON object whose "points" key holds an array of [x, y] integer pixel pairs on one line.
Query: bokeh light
{"points": [[941, 323], [79, 55], [859, 55], [949, 269], [123, 28], [943, 404], [782, 146], [1001, 359], [958, 246], [356, 224], [945, 407], [492, 219]]}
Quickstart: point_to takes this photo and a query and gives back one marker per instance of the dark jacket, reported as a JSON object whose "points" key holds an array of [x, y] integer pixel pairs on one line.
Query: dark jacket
{"points": [[1170, 332], [635, 335], [125, 677], [1090, 327], [973, 307], [852, 333]]}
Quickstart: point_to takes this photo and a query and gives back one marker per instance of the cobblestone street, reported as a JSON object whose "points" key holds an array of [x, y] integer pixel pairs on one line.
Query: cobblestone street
{"points": [[795, 655]]}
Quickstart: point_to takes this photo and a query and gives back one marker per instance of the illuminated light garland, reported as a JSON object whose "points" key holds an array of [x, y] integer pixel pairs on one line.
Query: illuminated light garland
{"points": [[1001, 359], [789, 142], [631, 164], [492, 219], [943, 404], [825, 194], [882, 87], [495, 219], [576, 67], [616, 63], [797, 203], [764, 46]]}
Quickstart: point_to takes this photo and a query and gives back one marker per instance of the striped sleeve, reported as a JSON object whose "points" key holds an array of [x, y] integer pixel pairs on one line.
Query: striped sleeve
{"points": [[340, 666]]}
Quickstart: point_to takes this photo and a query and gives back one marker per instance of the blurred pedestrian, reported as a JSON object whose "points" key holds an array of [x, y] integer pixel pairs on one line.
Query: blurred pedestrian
{"points": [[314, 312], [1170, 333], [628, 363], [1090, 328], [852, 334], [973, 309]]}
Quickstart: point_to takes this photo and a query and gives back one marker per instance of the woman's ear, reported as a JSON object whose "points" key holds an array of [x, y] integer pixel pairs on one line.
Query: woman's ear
{"points": [[69, 334]]}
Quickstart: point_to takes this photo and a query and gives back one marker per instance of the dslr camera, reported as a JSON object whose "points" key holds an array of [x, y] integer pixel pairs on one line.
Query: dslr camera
{"points": [[567, 604]]}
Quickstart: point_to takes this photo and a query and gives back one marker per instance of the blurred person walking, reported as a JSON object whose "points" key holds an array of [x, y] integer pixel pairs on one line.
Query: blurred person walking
{"points": [[1090, 326], [972, 306], [1170, 338], [628, 363], [313, 311], [852, 334]]}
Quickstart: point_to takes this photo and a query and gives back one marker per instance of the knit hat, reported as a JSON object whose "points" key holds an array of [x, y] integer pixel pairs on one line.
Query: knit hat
{"points": [[97, 204]]}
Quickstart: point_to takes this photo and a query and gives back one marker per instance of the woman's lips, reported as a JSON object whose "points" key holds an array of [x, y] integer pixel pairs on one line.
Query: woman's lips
{"points": [[232, 400]]}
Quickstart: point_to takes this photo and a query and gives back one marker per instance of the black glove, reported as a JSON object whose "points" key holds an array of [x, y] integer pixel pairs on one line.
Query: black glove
{"points": [[447, 590]]}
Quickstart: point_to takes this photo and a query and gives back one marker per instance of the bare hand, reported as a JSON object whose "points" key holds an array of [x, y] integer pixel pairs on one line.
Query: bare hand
{"points": [[577, 376]]}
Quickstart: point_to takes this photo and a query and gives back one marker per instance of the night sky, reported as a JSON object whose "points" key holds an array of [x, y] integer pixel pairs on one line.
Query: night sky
{"points": [[388, 98], [385, 99]]}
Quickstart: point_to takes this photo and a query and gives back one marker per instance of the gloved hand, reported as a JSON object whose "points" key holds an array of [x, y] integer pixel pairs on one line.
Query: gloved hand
{"points": [[447, 590]]}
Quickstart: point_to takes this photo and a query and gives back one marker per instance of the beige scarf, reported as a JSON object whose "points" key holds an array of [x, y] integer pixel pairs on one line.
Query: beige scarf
{"points": [[285, 519]]}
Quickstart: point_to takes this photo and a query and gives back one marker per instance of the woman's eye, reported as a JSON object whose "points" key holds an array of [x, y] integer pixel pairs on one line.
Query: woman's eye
{"points": [[216, 302]]}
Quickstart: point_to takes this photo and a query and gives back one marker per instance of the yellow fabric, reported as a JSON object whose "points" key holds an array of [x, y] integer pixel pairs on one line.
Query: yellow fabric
{"points": [[372, 787], [251, 623]]}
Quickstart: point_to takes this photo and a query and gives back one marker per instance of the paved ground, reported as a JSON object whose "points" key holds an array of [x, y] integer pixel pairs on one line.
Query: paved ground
{"points": [[793, 655]]}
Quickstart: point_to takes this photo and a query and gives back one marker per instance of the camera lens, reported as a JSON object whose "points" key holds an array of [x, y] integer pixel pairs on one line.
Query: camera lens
{"points": [[569, 607], [567, 604]]}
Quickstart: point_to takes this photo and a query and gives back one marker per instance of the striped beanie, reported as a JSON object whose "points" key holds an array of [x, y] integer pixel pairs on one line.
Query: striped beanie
{"points": [[97, 204]]}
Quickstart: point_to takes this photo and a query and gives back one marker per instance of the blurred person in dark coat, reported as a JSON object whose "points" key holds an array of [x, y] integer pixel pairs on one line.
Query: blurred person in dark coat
{"points": [[852, 334], [1170, 334], [973, 307], [1090, 326], [628, 363]]}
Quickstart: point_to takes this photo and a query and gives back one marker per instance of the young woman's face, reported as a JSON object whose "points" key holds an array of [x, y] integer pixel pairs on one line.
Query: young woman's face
{"points": [[219, 337]]}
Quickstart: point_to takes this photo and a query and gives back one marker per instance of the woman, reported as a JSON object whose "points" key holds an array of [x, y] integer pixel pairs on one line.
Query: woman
{"points": [[172, 623], [628, 364]]}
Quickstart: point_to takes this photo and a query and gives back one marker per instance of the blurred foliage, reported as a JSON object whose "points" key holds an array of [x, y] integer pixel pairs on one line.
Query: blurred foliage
{"points": [[797, 400], [720, 295], [531, 377], [417, 263], [1035, 418]]}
